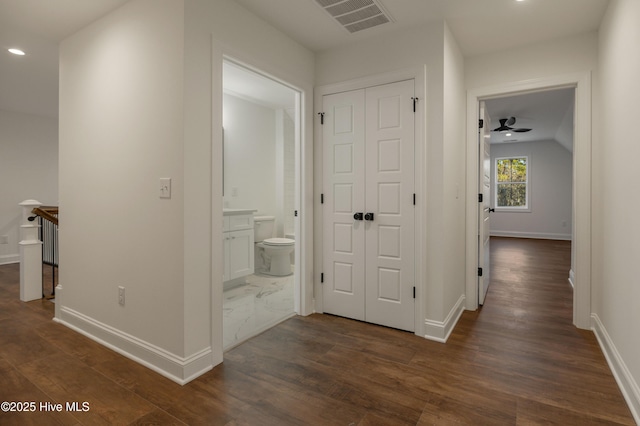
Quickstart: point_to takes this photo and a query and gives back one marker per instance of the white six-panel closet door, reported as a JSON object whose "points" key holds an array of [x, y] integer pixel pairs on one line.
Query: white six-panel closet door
{"points": [[368, 169]]}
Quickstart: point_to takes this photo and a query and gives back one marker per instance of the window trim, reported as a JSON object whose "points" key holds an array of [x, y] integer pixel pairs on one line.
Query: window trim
{"points": [[516, 209]]}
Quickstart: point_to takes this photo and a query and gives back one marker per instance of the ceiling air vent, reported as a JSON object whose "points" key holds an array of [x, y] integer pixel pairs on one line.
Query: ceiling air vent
{"points": [[356, 15]]}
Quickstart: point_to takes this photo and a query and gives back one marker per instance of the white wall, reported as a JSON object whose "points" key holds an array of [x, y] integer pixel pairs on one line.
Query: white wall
{"points": [[141, 99], [615, 219], [28, 170], [249, 155], [121, 124], [453, 208], [549, 59], [443, 109], [288, 171], [550, 180], [285, 172]]}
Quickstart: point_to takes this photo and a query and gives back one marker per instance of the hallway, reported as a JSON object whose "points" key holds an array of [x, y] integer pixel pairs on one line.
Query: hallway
{"points": [[517, 361]]}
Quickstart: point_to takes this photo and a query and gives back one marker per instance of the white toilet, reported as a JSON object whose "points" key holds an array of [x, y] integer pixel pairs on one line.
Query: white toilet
{"points": [[277, 250]]}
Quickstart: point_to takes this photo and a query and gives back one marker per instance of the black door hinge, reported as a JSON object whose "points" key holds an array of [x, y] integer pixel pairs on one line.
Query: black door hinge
{"points": [[415, 101], [321, 198], [479, 272], [480, 198], [295, 213], [414, 292], [321, 114], [322, 277], [481, 123], [414, 199]]}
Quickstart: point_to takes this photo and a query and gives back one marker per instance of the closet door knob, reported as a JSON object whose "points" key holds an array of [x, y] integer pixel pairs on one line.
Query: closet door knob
{"points": [[358, 216], [368, 216]]}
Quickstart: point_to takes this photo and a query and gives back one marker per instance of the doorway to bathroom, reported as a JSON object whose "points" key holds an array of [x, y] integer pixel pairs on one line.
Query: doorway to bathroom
{"points": [[261, 125]]}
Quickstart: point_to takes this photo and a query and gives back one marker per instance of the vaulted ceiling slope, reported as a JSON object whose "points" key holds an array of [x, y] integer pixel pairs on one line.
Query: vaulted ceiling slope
{"points": [[549, 115]]}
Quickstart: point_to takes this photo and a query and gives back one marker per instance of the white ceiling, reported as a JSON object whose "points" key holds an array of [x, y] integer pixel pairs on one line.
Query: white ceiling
{"points": [[480, 26], [29, 84]]}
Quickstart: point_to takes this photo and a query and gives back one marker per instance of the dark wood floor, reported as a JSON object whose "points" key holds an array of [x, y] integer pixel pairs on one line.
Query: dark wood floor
{"points": [[517, 361]]}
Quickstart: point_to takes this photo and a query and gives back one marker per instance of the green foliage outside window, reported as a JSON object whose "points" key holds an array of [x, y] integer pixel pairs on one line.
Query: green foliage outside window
{"points": [[511, 185]]}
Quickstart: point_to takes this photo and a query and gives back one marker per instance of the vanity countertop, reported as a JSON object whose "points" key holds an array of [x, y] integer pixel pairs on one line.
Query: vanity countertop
{"points": [[228, 212]]}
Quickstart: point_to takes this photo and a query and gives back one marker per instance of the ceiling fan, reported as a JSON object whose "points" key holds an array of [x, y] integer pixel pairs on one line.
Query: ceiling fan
{"points": [[505, 124]]}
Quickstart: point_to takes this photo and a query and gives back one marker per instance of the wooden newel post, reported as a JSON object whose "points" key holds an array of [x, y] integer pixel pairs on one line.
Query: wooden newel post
{"points": [[30, 254]]}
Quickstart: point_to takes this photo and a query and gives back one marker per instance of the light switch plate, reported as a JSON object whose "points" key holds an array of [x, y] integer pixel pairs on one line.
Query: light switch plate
{"points": [[165, 187]]}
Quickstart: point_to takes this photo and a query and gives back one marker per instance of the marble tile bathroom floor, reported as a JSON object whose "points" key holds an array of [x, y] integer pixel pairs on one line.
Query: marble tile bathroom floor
{"points": [[254, 306]]}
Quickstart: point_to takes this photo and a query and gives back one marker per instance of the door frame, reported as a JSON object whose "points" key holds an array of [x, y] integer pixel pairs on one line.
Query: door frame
{"points": [[419, 75], [581, 186], [299, 252], [220, 53]]}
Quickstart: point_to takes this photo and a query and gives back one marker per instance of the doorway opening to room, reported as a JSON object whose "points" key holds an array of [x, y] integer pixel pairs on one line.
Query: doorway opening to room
{"points": [[578, 86], [261, 175], [526, 179]]}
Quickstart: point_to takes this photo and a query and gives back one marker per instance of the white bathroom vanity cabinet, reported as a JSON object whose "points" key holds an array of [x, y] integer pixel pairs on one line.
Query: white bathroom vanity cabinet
{"points": [[238, 240]]}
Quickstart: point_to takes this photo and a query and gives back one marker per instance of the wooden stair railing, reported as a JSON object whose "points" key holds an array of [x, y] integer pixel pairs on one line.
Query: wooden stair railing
{"points": [[46, 212], [49, 236]]}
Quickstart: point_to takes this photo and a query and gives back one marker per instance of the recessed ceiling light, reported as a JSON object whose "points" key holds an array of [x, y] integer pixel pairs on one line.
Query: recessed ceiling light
{"points": [[17, 52]]}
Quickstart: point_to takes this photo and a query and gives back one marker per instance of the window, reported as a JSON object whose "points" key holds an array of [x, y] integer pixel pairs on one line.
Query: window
{"points": [[512, 180]]}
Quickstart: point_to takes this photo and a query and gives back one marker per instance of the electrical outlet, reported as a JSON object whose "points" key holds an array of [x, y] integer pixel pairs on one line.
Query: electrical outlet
{"points": [[121, 295]]}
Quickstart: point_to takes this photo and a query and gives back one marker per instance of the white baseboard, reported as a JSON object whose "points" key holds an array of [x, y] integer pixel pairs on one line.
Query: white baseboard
{"points": [[6, 259], [440, 330], [179, 369], [627, 384], [535, 235]]}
